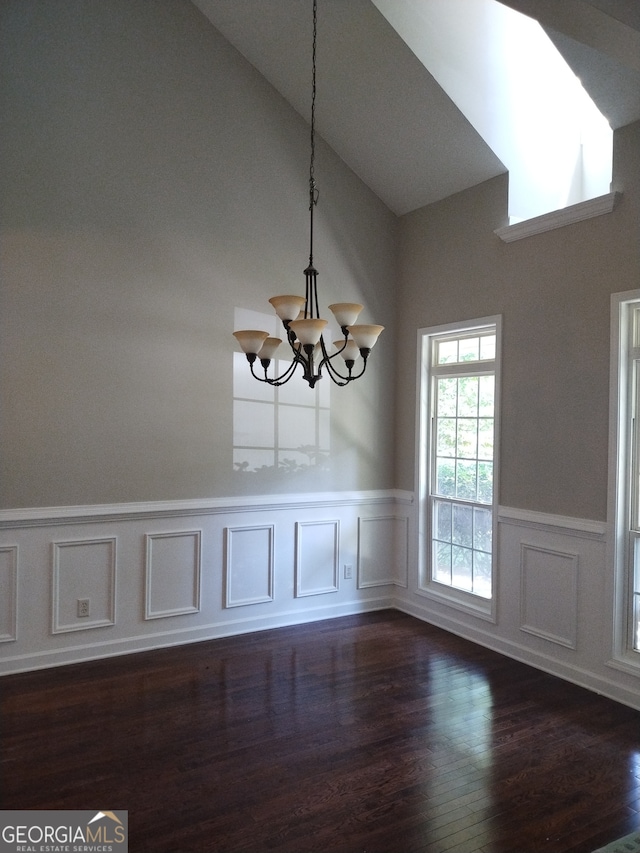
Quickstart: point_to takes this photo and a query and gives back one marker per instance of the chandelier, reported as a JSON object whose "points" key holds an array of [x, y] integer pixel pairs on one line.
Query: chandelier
{"points": [[300, 315]]}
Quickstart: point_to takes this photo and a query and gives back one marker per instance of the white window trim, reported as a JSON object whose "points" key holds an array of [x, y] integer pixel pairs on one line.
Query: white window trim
{"points": [[619, 578], [559, 218], [467, 602]]}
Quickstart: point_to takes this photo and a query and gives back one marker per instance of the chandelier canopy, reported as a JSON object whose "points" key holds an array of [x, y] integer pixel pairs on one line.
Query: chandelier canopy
{"points": [[300, 315]]}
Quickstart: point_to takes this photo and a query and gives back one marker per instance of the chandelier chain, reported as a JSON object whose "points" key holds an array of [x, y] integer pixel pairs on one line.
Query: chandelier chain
{"points": [[313, 193]]}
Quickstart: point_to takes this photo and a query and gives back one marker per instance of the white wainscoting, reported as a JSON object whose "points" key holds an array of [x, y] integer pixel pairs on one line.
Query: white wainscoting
{"points": [[160, 574], [171, 573], [554, 602]]}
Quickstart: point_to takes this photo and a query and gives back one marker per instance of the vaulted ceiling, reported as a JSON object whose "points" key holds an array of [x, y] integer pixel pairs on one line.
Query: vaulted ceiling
{"points": [[381, 110]]}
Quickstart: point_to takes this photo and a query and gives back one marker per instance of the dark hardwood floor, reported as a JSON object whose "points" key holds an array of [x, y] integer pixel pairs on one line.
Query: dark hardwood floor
{"points": [[368, 734]]}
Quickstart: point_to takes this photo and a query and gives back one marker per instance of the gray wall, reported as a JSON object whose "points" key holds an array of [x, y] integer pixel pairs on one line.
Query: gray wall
{"points": [[151, 183], [553, 291]]}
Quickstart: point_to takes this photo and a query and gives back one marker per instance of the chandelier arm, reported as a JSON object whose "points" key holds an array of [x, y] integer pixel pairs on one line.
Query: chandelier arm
{"points": [[314, 291], [333, 372], [312, 306], [311, 297], [276, 380], [299, 357], [338, 378], [343, 347]]}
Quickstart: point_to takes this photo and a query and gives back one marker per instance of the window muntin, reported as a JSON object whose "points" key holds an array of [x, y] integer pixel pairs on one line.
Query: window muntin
{"points": [[465, 348], [464, 429]]}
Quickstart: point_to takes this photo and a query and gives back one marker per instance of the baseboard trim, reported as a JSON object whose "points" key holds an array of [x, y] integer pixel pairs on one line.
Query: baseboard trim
{"points": [[545, 663], [231, 628]]}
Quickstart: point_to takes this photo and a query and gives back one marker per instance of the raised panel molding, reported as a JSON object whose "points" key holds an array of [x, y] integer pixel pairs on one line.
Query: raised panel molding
{"points": [[172, 573], [317, 557], [84, 569], [9, 598], [383, 551], [249, 562], [549, 591]]}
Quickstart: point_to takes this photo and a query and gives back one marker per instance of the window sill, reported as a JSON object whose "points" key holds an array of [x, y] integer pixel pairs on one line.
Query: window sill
{"points": [[629, 663], [559, 218], [483, 608]]}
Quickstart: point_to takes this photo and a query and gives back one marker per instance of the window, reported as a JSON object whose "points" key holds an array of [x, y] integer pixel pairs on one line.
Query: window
{"points": [[458, 461], [634, 475], [625, 486]]}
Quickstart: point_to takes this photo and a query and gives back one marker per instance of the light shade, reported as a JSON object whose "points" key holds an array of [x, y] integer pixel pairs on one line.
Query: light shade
{"points": [[308, 331], [287, 307], [365, 335], [251, 340], [350, 351], [346, 313], [269, 347]]}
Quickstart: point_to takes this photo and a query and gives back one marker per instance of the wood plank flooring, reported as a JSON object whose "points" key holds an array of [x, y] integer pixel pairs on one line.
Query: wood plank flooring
{"points": [[368, 734]]}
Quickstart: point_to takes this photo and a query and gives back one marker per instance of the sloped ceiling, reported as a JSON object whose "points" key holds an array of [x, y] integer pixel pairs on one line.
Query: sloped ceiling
{"points": [[380, 109], [600, 40]]}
